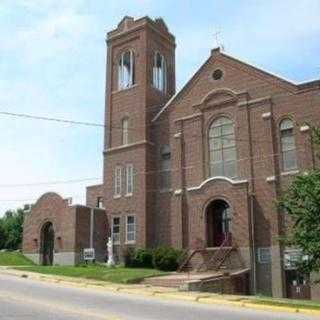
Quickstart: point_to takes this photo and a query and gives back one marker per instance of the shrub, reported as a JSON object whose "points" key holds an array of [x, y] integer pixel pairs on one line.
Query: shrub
{"points": [[129, 258], [167, 258], [140, 258], [143, 258]]}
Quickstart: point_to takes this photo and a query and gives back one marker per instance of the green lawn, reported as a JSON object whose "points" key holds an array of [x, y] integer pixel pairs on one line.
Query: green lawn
{"points": [[305, 304], [102, 273], [14, 259]]}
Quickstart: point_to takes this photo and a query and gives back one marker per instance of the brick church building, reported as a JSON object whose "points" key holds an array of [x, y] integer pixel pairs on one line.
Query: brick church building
{"points": [[198, 169]]}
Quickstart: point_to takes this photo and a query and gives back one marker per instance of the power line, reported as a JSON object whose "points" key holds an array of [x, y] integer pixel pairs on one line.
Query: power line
{"points": [[47, 183], [23, 115]]}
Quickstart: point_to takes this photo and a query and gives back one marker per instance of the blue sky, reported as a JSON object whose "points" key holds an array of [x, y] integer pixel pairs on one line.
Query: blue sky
{"points": [[52, 63]]}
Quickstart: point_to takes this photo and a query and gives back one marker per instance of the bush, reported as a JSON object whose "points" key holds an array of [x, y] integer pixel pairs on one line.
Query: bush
{"points": [[167, 258], [143, 258], [140, 258]]}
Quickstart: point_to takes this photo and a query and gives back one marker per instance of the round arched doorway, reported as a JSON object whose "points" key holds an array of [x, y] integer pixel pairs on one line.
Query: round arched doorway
{"points": [[47, 244], [218, 223]]}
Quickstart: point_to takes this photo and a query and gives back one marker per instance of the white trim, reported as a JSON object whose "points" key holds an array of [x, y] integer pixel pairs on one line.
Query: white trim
{"points": [[304, 128], [271, 179], [234, 182], [112, 225], [128, 146], [289, 173], [266, 115], [134, 232], [178, 192], [117, 178], [129, 168], [177, 135]]}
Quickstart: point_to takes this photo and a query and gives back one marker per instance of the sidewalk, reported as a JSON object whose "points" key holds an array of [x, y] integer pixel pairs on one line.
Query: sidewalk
{"points": [[173, 293]]}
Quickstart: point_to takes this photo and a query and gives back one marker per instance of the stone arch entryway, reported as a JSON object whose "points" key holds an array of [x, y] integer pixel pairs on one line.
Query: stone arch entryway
{"points": [[218, 223], [47, 244]]}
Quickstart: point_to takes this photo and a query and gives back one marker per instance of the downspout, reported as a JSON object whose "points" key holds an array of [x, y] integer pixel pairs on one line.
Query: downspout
{"points": [[251, 194], [253, 253]]}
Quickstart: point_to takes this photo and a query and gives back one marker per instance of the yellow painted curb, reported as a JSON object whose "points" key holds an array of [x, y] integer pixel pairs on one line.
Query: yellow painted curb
{"points": [[220, 301], [311, 312], [136, 291], [177, 296], [168, 295], [270, 307]]}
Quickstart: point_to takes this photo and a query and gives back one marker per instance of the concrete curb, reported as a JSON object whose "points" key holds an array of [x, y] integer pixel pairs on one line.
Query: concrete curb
{"points": [[158, 292]]}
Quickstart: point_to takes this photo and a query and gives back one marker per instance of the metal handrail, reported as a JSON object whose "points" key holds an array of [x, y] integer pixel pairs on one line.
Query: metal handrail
{"points": [[190, 256]]}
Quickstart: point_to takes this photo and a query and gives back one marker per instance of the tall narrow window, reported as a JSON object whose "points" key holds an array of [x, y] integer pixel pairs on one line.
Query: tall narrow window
{"points": [[117, 181], [126, 70], [159, 79], [125, 131], [222, 149], [130, 229], [116, 230], [165, 167], [288, 148], [129, 174]]}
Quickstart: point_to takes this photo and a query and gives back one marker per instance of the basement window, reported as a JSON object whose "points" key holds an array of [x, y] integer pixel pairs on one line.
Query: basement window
{"points": [[264, 255]]}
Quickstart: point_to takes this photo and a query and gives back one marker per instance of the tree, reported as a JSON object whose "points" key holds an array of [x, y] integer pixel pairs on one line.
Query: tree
{"points": [[11, 228], [301, 201], [3, 235]]}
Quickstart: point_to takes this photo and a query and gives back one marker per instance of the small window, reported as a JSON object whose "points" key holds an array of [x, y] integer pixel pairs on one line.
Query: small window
{"points": [[222, 149], [159, 79], [117, 181], [264, 255], [288, 148], [165, 168], [116, 230], [129, 175], [217, 74], [130, 229], [125, 131], [100, 202], [126, 70]]}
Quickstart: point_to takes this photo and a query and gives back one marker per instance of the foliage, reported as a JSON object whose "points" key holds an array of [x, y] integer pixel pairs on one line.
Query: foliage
{"points": [[11, 229], [14, 259], [301, 201], [140, 258], [101, 273], [162, 258], [167, 258]]}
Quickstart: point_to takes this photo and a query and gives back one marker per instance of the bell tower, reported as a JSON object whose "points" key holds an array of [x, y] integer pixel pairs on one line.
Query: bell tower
{"points": [[140, 79]]}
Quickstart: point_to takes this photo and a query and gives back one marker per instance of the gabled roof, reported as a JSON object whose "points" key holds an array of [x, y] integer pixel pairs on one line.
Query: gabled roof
{"points": [[287, 84]]}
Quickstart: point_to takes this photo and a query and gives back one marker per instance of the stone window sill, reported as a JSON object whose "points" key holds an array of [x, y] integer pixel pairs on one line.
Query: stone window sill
{"points": [[130, 242], [125, 89], [289, 173]]}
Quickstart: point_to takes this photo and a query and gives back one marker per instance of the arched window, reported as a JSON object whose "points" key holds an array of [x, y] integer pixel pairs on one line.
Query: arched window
{"points": [[159, 79], [288, 148], [222, 148], [126, 70], [125, 131], [165, 167]]}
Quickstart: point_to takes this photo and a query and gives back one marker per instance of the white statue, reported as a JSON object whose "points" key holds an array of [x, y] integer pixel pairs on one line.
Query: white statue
{"points": [[110, 262]]}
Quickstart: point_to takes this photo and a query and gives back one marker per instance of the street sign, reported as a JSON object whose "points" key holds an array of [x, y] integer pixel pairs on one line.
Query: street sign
{"points": [[89, 254]]}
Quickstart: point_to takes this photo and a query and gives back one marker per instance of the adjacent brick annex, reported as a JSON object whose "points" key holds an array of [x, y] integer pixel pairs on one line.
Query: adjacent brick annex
{"points": [[256, 101]]}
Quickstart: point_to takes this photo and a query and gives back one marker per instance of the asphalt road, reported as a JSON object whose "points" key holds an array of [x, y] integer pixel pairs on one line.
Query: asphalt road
{"points": [[22, 299]]}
